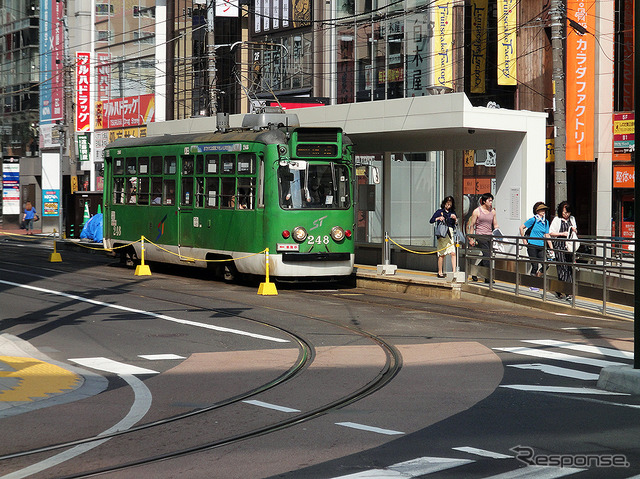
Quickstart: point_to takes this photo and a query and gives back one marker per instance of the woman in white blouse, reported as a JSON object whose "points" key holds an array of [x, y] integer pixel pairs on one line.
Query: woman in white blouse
{"points": [[564, 226]]}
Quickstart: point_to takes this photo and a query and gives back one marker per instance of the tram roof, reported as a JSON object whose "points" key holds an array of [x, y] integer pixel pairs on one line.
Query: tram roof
{"points": [[265, 137]]}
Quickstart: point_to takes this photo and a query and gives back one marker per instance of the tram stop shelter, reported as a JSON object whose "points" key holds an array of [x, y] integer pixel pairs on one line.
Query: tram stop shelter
{"points": [[394, 130]]}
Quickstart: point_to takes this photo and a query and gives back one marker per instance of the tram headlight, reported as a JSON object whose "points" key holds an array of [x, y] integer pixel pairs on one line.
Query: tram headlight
{"points": [[299, 234], [337, 233]]}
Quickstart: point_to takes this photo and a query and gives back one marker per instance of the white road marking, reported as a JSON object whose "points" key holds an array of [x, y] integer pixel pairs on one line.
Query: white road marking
{"points": [[482, 452], [409, 469], [557, 371], [537, 472], [614, 353], [159, 357], [560, 389], [271, 406], [111, 366], [541, 353], [363, 427], [147, 313], [140, 407]]}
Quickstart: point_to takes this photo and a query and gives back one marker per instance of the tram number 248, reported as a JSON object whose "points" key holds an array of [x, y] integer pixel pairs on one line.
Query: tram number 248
{"points": [[318, 239]]}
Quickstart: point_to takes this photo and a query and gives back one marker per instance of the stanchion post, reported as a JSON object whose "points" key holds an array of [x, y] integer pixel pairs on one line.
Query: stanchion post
{"points": [[55, 256], [142, 269], [267, 288], [386, 267]]}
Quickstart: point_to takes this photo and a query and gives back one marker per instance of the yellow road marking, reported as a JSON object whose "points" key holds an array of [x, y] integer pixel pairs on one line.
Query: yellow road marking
{"points": [[36, 379]]}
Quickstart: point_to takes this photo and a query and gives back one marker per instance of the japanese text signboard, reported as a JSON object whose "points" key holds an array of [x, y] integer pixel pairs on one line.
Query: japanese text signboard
{"points": [[83, 91], [580, 81], [125, 112], [507, 42], [51, 62], [624, 138]]}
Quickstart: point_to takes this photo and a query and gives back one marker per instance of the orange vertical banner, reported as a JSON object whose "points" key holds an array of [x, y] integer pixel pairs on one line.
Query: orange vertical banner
{"points": [[580, 80]]}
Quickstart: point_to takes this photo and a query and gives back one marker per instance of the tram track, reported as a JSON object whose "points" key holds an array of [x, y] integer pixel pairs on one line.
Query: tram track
{"points": [[393, 363]]}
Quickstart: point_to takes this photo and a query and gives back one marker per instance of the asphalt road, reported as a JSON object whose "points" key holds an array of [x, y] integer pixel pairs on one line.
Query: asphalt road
{"points": [[179, 375]]}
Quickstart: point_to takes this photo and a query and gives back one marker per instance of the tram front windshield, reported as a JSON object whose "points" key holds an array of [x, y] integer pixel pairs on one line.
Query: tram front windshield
{"points": [[319, 186]]}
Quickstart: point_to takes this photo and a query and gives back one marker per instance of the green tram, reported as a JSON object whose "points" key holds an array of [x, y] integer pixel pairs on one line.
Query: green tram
{"points": [[227, 194]]}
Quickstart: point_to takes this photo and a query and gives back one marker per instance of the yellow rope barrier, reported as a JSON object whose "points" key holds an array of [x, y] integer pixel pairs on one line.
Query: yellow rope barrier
{"points": [[198, 259], [422, 252], [29, 237]]}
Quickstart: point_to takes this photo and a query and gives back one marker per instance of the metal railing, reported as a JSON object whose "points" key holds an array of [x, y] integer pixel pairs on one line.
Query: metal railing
{"points": [[602, 268]]}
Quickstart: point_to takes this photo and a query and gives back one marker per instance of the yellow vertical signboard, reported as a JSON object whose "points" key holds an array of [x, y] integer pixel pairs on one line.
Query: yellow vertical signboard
{"points": [[443, 39], [507, 42], [478, 44]]}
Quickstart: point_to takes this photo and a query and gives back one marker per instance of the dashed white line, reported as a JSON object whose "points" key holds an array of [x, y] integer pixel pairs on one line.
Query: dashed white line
{"points": [[270, 406], [159, 357], [364, 427]]}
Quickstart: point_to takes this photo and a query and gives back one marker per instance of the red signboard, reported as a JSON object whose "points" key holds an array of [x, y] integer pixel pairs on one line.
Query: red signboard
{"points": [[125, 112], [624, 177], [83, 91]]}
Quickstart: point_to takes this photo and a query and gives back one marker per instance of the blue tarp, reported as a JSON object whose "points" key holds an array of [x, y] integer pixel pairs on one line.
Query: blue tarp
{"points": [[93, 229]]}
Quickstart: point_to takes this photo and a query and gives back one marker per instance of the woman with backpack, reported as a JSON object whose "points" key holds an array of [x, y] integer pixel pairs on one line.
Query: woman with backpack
{"points": [[535, 230]]}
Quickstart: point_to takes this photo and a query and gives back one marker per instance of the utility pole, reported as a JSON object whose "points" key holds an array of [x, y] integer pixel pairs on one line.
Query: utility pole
{"points": [[557, 52], [211, 53]]}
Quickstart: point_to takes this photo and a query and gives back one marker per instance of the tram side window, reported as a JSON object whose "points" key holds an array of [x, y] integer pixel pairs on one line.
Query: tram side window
{"points": [[187, 165], [199, 198], [169, 192], [118, 166], [199, 164], [156, 191], [246, 163], [132, 190], [228, 199], [228, 163], [156, 165], [169, 165], [143, 191], [187, 191], [131, 166], [211, 193], [118, 191], [143, 165], [246, 193], [212, 164]]}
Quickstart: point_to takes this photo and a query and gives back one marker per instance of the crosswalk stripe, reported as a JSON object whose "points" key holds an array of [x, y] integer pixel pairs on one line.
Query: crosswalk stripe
{"points": [[614, 353], [541, 353], [537, 472], [561, 389], [410, 469], [270, 406], [364, 427], [557, 371], [482, 452]]}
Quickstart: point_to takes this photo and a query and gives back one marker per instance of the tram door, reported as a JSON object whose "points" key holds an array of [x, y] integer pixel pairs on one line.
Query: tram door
{"points": [[186, 220]]}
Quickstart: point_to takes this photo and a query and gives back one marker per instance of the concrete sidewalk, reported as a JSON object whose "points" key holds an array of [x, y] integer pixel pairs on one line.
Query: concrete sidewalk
{"points": [[428, 284]]}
